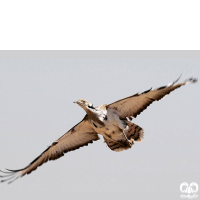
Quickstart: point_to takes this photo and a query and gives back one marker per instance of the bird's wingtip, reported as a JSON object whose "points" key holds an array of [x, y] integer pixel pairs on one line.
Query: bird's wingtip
{"points": [[9, 176], [178, 78], [191, 80]]}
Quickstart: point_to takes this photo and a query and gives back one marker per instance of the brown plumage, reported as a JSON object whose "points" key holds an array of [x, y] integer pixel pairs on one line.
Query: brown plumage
{"points": [[108, 120], [135, 104]]}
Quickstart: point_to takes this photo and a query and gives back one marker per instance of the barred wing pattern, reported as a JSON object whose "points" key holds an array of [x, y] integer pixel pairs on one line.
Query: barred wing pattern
{"points": [[132, 106], [80, 135]]}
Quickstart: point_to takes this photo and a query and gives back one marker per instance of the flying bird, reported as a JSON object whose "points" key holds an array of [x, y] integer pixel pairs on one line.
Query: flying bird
{"points": [[112, 121]]}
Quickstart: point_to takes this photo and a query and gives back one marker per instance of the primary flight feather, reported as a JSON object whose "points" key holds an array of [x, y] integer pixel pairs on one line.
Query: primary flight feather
{"points": [[108, 120]]}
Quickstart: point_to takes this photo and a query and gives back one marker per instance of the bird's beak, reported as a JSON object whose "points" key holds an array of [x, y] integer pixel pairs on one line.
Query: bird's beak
{"points": [[74, 102]]}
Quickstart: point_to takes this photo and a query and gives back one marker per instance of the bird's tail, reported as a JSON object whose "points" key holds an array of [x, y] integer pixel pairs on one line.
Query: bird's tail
{"points": [[135, 132]]}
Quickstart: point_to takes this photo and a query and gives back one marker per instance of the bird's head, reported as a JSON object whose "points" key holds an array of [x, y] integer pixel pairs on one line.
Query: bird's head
{"points": [[85, 104]]}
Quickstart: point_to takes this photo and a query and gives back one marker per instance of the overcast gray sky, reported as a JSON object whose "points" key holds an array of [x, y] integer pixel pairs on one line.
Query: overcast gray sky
{"points": [[37, 90]]}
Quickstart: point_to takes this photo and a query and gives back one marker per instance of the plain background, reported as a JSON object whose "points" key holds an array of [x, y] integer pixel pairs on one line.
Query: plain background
{"points": [[37, 90]]}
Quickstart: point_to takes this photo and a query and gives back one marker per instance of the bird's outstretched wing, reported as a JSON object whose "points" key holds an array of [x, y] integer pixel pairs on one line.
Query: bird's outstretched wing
{"points": [[135, 104], [80, 135]]}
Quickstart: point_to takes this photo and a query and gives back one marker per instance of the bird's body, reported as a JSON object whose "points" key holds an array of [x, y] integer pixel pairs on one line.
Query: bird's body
{"points": [[106, 122], [109, 120]]}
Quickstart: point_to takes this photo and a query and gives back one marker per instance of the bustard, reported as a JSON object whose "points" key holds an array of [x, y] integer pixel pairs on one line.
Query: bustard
{"points": [[109, 120]]}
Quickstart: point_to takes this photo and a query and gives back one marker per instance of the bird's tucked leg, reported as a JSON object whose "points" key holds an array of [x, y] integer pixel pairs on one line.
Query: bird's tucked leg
{"points": [[129, 141]]}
